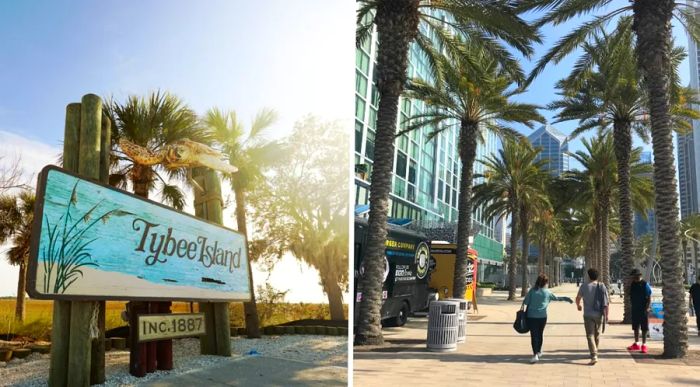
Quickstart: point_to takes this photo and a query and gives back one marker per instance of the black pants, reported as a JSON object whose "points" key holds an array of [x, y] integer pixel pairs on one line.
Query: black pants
{"points": [[697, 318], [536, 326]]}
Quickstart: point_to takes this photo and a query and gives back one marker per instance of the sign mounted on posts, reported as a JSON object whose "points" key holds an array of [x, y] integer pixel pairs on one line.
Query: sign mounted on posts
{"points": [[93, 241], [153, 327]]}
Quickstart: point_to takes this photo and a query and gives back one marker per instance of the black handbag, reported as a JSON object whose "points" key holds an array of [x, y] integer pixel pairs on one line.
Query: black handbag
{"points": [[520, 324]]}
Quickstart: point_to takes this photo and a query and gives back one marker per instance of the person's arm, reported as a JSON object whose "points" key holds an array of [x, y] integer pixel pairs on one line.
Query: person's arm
{"points": [[526, 301], [606, 302], [647, 308], [578, 299], [553, 297]]}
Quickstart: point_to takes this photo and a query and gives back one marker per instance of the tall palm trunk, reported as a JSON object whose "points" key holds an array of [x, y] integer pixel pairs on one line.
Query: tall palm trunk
{"points": [[467, 154], [652, 25], [250, 309], [622, 140], [397, 26], [524, 227], [604, 241], [513, 260], [21, 290], [541, 258]]}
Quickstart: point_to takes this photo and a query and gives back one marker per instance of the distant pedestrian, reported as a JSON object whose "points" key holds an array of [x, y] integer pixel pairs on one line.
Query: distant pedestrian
{"points": [[595, 311], [537, 300], [695, 301], [640, 298], [619, 286], [578, 282]]}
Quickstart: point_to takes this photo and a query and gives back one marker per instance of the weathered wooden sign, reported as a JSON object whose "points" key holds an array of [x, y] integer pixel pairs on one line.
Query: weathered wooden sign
{"points": [[153, 327], [92, 241]]}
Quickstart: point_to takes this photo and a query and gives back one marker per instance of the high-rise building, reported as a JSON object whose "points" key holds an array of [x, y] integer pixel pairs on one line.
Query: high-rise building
{"points": [[425, 181], [689, 145], [687, 178], [554, 147]]}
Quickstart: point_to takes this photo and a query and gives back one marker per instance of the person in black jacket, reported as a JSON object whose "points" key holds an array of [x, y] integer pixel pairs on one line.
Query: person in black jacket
{"points": [[640, 297], [695, 301]]}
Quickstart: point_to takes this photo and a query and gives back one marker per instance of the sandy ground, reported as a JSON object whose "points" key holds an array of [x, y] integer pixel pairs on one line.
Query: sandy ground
{"points": [[328, 351]]}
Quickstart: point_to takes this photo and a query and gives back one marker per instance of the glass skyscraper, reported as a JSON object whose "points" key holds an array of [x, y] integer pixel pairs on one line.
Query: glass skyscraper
{"points": [[425, 181], [554, 147]]}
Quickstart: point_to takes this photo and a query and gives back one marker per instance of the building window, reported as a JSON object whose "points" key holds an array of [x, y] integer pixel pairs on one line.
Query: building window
{"points": [[360, 84], [369, 145], [358, 136], [359, 108], [401, 164], [362, 61]]}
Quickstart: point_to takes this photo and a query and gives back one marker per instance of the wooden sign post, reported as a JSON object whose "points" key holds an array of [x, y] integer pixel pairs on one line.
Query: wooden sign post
{"points": [[85, 151], [208, 204]]}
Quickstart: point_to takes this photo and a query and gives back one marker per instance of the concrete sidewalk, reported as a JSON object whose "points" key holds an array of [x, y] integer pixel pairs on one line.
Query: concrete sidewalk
{"points": [[495, 355], [259, 371]]}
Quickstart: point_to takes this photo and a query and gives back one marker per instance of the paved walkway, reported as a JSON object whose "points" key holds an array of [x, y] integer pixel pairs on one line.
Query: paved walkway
{"points": [[259, 371], [495, 355]]}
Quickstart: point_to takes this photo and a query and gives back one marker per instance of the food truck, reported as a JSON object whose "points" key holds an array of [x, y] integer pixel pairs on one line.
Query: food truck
{"points": [[442, 277], [407, 267]]}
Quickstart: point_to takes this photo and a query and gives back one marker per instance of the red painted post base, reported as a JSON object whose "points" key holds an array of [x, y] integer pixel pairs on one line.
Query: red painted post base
{"points": [[164, 351]]}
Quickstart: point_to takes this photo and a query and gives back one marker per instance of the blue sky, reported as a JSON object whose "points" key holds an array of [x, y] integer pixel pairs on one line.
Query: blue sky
{"points": [[242, 55]]}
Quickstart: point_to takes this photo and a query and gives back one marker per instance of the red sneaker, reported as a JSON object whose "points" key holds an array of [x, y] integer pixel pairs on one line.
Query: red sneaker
{"points": [[644, 348], [634, 347]]}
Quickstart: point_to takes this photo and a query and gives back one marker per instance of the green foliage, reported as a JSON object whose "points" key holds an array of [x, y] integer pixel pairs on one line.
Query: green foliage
{"points": [[489, 26], [472, 89], [16, 216], [302, 209], [152, 122]]}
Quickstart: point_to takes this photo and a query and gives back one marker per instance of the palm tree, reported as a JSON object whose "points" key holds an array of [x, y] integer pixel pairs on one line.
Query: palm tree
{"points": [[598, 186], [474, 93], [509, 178], [652, 26], [251, 153], [16, 215], [154, 122], [604, 92], [487, 24]]}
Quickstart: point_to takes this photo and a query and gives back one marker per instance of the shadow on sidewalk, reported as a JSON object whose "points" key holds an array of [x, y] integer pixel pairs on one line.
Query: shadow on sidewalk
{"points": [[575, 357]]}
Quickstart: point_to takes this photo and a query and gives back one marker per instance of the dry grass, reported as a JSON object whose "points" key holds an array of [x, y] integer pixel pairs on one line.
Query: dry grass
{"points": [[37, 324]]}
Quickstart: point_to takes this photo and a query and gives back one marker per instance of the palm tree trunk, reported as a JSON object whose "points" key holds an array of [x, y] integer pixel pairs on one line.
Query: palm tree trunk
{"points": [[21, 290], [142, 179], [467, 154], [513, 260], [524, 227], [397, 26], [622, 140], [652, 25], [541, 258], [250, 309], [604, 242]]}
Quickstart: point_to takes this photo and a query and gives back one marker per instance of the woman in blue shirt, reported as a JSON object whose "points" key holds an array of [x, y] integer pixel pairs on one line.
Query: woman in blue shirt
{"points": [[537, 300]]}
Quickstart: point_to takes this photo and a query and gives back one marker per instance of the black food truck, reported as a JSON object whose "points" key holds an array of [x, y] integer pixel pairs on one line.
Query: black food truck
{"points": [[407, 266]]}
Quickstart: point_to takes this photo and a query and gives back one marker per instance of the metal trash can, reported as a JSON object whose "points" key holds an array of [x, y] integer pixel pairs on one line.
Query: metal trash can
{"points": [[462, 313], [443, 326]]}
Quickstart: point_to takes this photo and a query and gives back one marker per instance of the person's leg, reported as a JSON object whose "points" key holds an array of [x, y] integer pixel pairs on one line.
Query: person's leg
{"points": [[598, 326], [532, 324], [589, 325], [543, 323]]}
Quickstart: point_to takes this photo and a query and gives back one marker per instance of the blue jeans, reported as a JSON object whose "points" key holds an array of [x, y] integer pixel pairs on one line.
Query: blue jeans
{"points": [[536, 326]]}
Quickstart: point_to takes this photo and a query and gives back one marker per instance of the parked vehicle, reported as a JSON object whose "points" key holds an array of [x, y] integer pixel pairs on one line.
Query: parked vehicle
{"points": [[408, 264]]}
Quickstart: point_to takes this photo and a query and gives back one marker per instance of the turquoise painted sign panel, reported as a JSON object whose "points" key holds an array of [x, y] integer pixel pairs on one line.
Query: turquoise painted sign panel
{"points": [[92, 241]]}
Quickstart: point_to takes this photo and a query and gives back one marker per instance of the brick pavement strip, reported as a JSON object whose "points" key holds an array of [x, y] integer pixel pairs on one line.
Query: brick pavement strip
{"points": [[495, 355]]}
